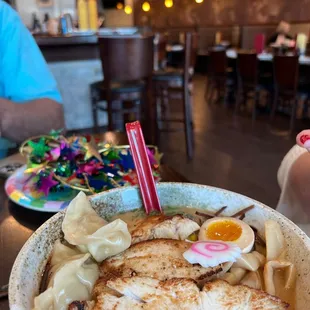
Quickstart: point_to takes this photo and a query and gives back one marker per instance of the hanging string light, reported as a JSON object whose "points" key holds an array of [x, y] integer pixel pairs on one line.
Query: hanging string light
{"points": [[198, 1], [119, 6], [168, 3], [128, 9], [146, 6]]}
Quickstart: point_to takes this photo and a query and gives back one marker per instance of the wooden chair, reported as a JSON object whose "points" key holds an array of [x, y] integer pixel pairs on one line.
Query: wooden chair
{"points": [[127, 65], [286, 74], [217, 74], [177, 82], [160, 54], [247, 70]]}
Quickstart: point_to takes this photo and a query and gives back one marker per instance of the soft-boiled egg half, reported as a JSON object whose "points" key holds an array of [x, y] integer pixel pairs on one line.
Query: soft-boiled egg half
{"points": [[228, 229]]}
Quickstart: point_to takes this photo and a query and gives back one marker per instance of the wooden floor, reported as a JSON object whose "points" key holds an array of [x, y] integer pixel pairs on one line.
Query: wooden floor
{"points": [[232, 152]]}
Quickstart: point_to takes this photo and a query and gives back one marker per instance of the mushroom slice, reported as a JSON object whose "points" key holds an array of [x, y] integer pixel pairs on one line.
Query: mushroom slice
{"points": [[270, 267], [275, 242], [253, 279], [250, 261], [234, 276]]}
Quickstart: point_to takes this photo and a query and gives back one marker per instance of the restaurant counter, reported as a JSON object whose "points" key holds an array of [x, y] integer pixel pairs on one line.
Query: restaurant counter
{"points": [[68, 48], [75, 63]]}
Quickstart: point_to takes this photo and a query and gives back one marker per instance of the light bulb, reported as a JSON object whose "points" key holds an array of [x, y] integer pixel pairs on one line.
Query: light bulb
{"points": [[146, 6], [119, 6], [199, 1], [169, 3], [128, 9]]}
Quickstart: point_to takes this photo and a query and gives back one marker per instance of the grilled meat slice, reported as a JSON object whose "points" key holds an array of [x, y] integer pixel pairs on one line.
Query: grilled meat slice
{"points": [[163, 227], [101, 287], [108, 301], [220, 295], [147, 294], [161, 259]]}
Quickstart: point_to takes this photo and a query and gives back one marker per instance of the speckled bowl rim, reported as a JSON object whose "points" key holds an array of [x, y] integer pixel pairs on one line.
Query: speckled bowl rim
{"points": [[14, 277]]}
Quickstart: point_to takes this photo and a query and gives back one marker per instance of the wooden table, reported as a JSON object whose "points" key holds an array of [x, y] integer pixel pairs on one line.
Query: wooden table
{"points": [[17, 223], [233, 54]]}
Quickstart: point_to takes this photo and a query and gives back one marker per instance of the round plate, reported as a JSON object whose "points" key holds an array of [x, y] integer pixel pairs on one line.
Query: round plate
{"points": [[18, 191]]}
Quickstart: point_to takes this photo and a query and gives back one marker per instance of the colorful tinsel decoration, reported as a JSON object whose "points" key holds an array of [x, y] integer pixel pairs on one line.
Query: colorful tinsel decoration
{"points": [[80, 163]]}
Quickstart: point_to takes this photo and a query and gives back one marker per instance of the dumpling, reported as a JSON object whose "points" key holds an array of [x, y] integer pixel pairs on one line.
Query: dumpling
{"points": [[72, 281], [109, 240], [45, 301], [80, 220], [83, 227], [62, 253]]}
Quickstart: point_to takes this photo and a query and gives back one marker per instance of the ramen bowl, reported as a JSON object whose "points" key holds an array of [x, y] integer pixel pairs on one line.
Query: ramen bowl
{"points": [[31, 261]]}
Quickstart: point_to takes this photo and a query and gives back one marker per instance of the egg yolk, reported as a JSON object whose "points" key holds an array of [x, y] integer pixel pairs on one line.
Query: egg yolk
{"points": [[223, 230]]}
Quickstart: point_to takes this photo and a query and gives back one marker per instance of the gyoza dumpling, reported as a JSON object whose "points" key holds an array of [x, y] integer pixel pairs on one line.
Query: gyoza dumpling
{"points": [[80, 220], [84, 228], [72, 281], [109, 240], [61, 253]]}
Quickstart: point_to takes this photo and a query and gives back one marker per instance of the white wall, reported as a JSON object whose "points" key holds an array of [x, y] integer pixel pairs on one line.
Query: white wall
{"points": [[25, 8]]}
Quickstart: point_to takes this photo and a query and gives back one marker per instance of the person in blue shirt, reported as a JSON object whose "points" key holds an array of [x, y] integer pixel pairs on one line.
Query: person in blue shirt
{"points": [[30, 103]]}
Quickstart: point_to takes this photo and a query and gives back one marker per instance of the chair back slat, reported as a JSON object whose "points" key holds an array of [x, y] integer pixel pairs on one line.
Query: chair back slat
{"points": [[247, 67], [286, 72], [218, 62], [126, 59]]}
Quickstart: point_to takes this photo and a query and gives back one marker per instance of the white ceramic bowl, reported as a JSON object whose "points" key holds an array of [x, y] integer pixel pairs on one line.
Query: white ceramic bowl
{"points": [[30, 263]]}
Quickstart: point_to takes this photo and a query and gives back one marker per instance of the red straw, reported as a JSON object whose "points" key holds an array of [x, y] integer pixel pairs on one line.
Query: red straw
{"points": [[143, 167]]}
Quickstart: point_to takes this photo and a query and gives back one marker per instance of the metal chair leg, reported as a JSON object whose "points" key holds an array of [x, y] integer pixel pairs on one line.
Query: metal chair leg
{"points": [[274, 106], [209, 91], [94, 102], [256, 102], [238, 99], [188, 123], [293, 116]]}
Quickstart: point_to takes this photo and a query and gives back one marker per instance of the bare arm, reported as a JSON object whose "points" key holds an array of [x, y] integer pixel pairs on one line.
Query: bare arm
{"points": [[21, 121]]}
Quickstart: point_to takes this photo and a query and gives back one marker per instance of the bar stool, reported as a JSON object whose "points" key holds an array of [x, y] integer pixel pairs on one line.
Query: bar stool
{"points": [[171, 81], [127, 64]]}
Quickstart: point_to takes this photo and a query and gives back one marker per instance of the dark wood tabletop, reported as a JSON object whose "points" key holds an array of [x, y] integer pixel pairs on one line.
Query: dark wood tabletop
{"points": [[17, 223]]}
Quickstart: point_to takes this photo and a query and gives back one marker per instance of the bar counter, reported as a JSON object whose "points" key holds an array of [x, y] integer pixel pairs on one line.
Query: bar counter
{"points": [[75, 63], [68, 48]]}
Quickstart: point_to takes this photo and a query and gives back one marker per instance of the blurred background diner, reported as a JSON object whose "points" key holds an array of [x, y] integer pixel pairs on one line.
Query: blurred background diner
{"points": [[221, 86]]}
